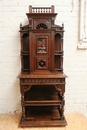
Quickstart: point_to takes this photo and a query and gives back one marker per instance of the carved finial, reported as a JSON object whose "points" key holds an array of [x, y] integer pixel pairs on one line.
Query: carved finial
{"points": [[30, 9], [20, 24], [52, 9], [52, 6], [63, 25]]}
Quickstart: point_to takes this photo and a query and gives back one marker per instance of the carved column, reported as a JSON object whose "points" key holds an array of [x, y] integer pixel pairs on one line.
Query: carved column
{"points": [[62, 105], [23, 108]]}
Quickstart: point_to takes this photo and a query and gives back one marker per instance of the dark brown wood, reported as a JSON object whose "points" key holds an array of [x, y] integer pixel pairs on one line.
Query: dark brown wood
{"points": [[42, 81]]}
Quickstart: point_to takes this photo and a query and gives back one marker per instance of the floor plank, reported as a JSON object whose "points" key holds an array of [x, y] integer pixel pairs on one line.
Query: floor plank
{"points": [[75, 122]]}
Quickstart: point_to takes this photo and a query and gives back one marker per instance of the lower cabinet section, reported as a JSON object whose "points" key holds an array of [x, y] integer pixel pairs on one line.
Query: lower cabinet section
{"points": [[42, 102], [42, 113]]}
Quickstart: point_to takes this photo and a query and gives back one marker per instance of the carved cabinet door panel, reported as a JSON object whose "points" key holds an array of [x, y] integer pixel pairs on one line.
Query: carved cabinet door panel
{"points": [[40, 51]]}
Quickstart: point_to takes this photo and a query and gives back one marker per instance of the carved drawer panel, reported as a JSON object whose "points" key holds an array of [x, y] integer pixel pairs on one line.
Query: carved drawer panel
{"points": [[42, 81]]}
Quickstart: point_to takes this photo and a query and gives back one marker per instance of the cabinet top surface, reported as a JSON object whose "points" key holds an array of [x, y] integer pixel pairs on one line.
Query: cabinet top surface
{"points": [[42, 75]]}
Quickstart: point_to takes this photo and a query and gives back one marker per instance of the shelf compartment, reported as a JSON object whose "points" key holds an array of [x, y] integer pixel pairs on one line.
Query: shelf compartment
{"points": [[25, 63], [41, 96], [44, 116], [41, 113], [58, 63], [58, 42]]}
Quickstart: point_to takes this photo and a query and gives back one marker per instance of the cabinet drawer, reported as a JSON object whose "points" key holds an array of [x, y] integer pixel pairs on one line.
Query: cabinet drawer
{"points": [[42, 81]]}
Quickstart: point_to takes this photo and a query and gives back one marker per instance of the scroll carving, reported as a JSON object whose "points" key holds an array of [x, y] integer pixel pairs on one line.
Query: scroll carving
{"points": [[58, 88], [27, 88]]}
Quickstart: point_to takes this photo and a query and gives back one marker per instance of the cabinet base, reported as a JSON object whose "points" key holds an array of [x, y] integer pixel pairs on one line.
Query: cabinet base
{"points": [[49, 123]]}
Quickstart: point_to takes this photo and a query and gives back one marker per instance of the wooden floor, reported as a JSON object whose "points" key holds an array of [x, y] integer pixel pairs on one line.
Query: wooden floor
{"points": [[75, 122]]}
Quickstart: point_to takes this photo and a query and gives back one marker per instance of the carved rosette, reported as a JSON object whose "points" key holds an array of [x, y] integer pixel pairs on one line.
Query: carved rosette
{"points": [[41, 64]]}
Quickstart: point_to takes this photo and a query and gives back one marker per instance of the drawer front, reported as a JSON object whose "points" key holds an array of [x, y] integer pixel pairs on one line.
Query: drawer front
{"points": [[33, 81]]}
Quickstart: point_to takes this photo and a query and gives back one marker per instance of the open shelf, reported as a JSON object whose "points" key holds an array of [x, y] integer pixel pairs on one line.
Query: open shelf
{"points": [[42, 113], [45, 116], [42, 96]]}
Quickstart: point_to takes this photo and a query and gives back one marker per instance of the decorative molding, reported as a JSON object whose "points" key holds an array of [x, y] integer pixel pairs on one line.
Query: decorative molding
{"points": [[43, 80], [42, 23], [41, 26], [39, 103]]}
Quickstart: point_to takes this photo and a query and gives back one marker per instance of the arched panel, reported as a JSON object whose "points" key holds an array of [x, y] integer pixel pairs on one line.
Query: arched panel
{"points": [[25, 52], [57, 42], [25, 42], [41, 26]]}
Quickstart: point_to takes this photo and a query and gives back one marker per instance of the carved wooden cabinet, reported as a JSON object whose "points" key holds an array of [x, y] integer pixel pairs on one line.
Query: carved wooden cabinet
{"points": [[42, 81]]}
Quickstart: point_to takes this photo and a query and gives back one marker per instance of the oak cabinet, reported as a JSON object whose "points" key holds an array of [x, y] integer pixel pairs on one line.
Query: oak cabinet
{"points": [[42, 81]]}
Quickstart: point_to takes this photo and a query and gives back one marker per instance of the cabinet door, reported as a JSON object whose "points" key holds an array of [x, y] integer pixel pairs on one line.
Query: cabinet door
{"points": [[40, 51]]}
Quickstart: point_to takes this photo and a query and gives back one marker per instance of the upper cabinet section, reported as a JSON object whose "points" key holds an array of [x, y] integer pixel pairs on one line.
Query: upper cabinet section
{"points": [[41, 42]]}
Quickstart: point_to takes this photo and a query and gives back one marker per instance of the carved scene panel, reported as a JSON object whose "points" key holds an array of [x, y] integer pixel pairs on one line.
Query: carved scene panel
{"points": [[42, 44]]}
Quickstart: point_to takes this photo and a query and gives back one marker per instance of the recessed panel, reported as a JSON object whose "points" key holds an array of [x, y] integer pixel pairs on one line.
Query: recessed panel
{"points": [[42, 63], [42, 44]]}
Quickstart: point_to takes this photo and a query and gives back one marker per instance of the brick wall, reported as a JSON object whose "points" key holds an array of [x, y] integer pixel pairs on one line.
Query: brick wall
{"points": [[75, 61]]}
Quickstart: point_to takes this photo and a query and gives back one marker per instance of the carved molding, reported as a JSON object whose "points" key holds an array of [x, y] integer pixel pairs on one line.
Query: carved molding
{"points": [[28, 103], [44, 80]]}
